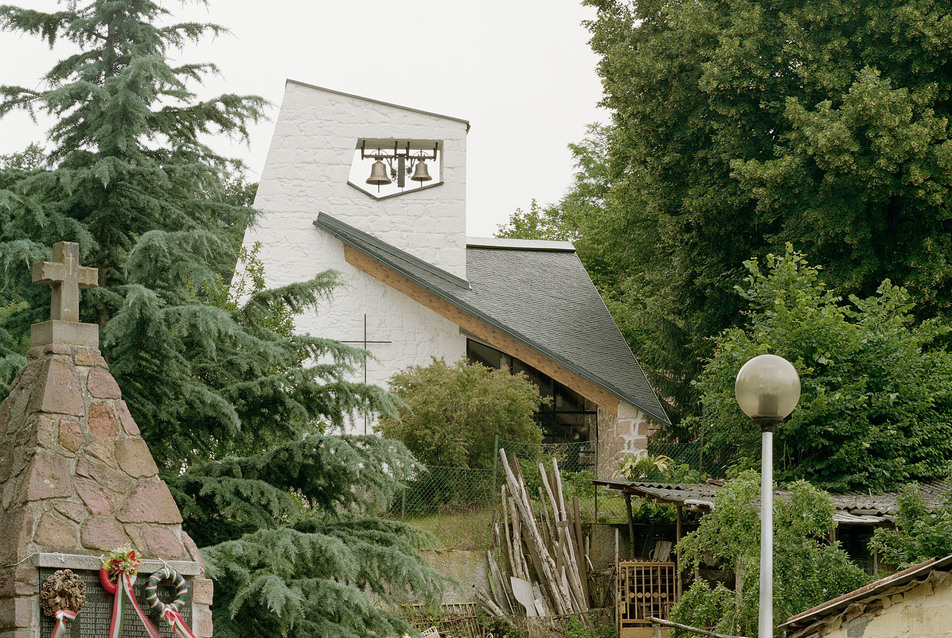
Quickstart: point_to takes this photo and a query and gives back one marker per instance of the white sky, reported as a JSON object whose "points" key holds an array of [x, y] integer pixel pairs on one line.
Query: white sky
{"points": [[520, 71]]}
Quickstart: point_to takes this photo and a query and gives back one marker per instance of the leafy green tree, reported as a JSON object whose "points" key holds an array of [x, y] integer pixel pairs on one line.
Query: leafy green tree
{"points": [[536, 223], [919, 534], [451, 414], [227, 396], [740, 125], [807, 569], [876, 405]]}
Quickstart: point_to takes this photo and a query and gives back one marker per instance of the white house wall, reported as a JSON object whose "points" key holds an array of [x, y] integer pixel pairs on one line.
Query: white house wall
{"points": [[306, 172], [307, 169]]}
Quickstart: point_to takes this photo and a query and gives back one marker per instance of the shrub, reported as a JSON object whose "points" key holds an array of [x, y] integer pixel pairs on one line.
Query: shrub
{"points": [[451, 414]]}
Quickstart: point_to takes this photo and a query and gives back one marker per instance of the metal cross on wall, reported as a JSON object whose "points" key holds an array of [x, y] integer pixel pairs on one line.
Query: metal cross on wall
{"points": [[365, 342], [66, 277]]}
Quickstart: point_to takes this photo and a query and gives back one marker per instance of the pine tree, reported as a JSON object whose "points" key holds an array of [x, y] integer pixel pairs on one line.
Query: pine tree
{"points": [[228, 397]]}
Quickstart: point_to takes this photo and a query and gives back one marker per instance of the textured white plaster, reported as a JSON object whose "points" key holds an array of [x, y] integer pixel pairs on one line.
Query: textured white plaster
{"points": [[925, 611], [306, 172]]}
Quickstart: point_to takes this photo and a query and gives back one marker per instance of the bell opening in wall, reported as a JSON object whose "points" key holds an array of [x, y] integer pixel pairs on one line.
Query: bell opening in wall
{"points": [[385, 167]]}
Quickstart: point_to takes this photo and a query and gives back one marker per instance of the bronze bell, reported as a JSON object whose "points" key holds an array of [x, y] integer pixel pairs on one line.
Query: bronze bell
{"points": [[378, 174], [420, 174]]}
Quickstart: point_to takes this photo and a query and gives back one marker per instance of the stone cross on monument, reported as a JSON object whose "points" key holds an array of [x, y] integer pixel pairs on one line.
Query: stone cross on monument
{"points": [[66, 277], [77, 482]]}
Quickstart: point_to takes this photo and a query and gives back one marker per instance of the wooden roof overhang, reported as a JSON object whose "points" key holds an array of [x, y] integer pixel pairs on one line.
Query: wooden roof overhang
{"points": [[481, 329]]}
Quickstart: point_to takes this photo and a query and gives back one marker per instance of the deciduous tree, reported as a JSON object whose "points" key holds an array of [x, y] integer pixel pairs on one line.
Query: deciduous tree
{"points": [[451, 414], [876, 405], [807, 569], [740, 125]]}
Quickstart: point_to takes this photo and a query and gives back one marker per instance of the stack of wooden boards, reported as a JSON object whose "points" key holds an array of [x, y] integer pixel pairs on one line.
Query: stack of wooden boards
{"points": [[541, 567]]}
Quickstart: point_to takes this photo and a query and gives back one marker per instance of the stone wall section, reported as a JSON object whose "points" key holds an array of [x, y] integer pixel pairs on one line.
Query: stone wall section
{"points": [[923, 611], [76, 477], [620, 437]]}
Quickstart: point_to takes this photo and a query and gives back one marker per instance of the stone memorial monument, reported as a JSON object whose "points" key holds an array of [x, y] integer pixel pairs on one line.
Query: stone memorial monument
{"points": [[78, 485]]}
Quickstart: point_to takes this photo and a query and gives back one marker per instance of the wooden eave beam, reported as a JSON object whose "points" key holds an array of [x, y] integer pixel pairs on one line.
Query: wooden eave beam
{"points": [[482, 330]]}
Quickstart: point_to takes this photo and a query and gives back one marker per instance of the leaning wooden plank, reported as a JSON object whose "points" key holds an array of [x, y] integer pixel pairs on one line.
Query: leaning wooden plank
{"points": [[565, 547], [540, 556], [491, 607], [553, 546], [498, 585], [522, 590], [676, 625], [549, 532], [507, 548], [518, 542], [541, 607], [580, 548]]}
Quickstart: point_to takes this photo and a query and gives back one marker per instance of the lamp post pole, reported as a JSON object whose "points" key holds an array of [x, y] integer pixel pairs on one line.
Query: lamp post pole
{"points": [[767, 390], [765, 621]]}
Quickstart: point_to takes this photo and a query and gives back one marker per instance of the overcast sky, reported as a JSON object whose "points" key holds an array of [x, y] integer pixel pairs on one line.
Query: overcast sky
{"points": [[520, 71]]}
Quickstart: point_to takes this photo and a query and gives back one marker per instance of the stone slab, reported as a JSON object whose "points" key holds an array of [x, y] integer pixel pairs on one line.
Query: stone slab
{"points": [[83, 561], [68, 332]]}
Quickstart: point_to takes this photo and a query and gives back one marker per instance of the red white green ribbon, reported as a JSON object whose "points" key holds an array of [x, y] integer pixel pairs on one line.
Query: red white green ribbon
{"points": [[60, 631], [177, 622], [124, 591]]}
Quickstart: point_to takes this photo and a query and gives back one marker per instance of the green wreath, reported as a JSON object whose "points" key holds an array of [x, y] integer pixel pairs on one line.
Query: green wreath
{"points": [[181, 591]]}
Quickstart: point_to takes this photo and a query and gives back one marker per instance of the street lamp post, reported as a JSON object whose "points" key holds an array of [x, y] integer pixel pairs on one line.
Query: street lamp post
{"points": [[767, 390]]}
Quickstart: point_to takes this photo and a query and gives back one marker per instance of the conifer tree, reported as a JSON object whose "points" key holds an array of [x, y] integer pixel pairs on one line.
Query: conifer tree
{"points": [[227, 396]]}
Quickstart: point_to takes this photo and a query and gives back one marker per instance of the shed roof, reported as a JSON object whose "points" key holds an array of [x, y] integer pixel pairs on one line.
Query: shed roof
{"points": [[860, 599], [850, 507], [537, 293]]}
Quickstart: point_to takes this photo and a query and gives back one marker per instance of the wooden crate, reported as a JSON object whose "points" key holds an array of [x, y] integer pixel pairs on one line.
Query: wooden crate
{"points": [[645, 589]]}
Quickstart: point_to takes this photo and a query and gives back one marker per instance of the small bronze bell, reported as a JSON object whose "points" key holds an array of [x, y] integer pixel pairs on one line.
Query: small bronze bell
{"points": [[420, 173], [378, 174]]}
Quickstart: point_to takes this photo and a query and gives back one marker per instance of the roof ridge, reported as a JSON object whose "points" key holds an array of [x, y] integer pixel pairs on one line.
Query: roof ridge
{"points": [[340, 230], [375, 101]]}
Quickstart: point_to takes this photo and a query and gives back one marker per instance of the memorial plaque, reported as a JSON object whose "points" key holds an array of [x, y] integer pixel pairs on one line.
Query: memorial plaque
{"points": [[94, 619]]}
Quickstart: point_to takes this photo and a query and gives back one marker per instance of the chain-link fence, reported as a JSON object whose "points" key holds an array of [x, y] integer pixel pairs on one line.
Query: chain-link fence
{"points": [[459, 504], [689, 461]]}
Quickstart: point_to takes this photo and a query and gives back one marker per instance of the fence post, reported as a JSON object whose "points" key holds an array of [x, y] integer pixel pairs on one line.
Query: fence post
{"points": [[492, 488], [700, 461], [495, 466], [403, 497]]}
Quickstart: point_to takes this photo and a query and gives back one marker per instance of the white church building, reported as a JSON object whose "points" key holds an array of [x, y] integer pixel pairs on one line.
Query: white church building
{"points": [[415, 287]]}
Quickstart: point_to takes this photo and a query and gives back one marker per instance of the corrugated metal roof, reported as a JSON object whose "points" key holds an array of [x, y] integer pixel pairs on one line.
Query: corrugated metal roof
{"points": [[542, 298], [851, 507]]}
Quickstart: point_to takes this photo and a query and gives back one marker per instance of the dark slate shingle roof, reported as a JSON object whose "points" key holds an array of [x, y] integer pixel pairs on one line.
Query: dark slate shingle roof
{"points": [[536, 292]]}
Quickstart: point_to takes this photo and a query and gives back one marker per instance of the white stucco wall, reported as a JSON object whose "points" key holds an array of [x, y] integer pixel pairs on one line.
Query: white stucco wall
{"points": [[306, 172], [925, 611]]}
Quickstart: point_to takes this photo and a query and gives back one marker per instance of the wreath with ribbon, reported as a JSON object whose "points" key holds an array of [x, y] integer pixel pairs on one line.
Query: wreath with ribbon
{"points": [[170, 612], [123, 565]]}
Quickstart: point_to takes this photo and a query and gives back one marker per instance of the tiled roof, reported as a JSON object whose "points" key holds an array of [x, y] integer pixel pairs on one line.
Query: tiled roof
{"points": [[851, 507], [538, 293]]}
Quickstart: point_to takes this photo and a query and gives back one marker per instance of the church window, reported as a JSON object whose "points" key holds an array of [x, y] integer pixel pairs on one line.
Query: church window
{"points": [[565, 417]]}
